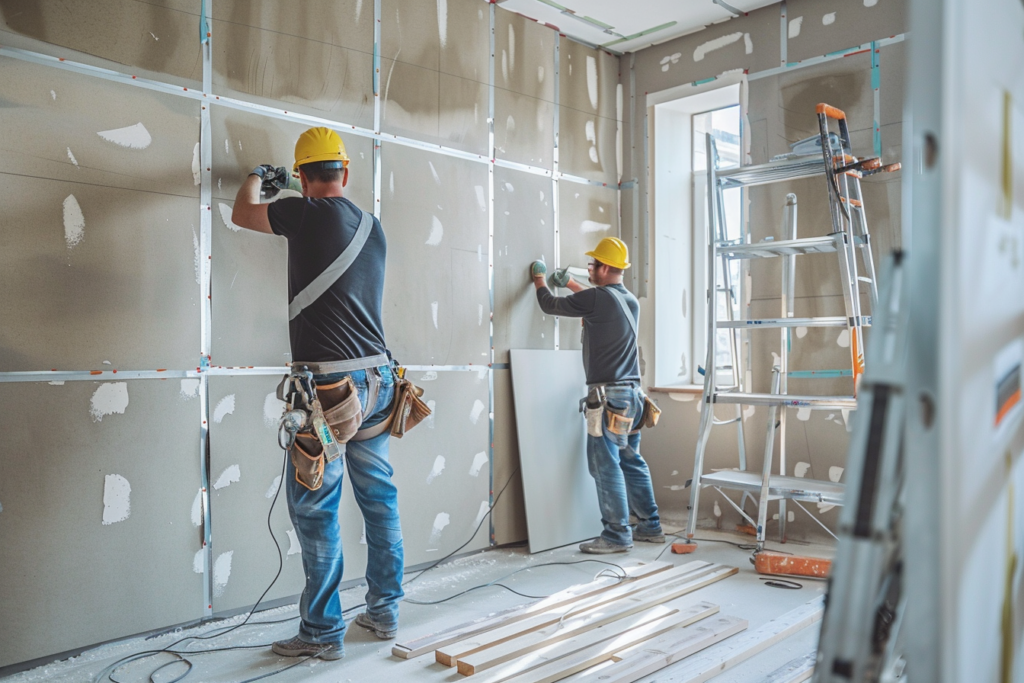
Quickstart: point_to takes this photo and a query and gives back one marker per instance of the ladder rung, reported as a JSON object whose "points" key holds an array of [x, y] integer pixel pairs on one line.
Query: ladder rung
{"points": [[775, 172], [864, 279], [786, 400], [794, 488], [771, 323], [806, 245], [719, 423]]}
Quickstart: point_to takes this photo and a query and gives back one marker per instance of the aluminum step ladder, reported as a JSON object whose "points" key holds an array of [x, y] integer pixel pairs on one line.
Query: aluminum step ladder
{"points": [[849, 236]]}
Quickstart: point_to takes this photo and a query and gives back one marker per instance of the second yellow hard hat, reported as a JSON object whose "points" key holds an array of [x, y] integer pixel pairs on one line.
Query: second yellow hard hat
{"points": [[611, 251], [319, 144]]}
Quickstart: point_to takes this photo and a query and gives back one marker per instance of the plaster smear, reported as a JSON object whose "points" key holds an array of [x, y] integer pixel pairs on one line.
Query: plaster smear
{"points": [[593, 226], [430, 419], [225, 407], [844, 339], [801, 468], [479, 315], [221, 573], [479, 461], [803, 414], [196, 177], [794, 26], [428, 376], [56, 383], [229, 476], [433, 172], [197, 509], [748, 44], [293, 542], [272, 489], [867, 3], [442, 21], [391, 183], [540, 74], [273, 409], [433, 312], [481, 513], [197, 562], [835, 473], [828, 19], [716, 44], [478, 409], [71, 157], [801, 332], [846, 419], [748, 412], [74, 222], [189, 388], [504, 63], [225, 215], [717, 510], [116, 499], [480, 200], [108, 399], [132, 137], [436, 232], [440, 522], [437, 469], [668, 60], [592, 80]]}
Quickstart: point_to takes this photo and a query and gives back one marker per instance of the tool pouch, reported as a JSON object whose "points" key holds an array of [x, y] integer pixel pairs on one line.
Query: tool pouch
{"points": [[409, 409], [652, 413], [342, 409], [617, 423], [307, 456]]}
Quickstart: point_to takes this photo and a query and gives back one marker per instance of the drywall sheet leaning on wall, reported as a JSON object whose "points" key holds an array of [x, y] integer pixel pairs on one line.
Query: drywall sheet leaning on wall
{"points": [[98, 484], [509, 514], [434, 214], [561, 499]]}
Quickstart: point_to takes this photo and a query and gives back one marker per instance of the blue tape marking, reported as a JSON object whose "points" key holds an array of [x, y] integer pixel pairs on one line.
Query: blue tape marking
{"points": [[706, 80], [204, 27], [878, 140], [819, 374]]}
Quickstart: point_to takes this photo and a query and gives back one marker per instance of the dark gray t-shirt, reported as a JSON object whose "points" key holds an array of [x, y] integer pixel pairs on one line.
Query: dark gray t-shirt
{"points": [[609, 344], [345, 322]]}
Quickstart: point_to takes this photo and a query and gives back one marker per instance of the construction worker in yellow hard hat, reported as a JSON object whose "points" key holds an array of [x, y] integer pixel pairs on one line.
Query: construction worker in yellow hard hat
{"points": [[616, 407], [336, 254]]}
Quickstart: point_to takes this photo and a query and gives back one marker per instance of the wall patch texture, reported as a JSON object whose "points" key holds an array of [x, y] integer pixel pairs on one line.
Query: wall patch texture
{"points": [[116, 499]]}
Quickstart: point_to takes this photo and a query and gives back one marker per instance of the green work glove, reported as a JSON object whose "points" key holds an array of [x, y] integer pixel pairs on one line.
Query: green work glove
{"points": [[273, 179], [538, 269], [559, 278]]}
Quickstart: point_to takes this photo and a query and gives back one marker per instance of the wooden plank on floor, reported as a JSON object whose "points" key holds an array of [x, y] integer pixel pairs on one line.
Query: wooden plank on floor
{"points": [[657, 653], [795, 671], [728, 654], [451, 653], [428, 643], [601, 648], [573, 625]]}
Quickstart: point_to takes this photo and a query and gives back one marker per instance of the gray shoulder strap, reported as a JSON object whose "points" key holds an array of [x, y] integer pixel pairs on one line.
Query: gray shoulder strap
{"points": [[621, 299], [322, 282]]}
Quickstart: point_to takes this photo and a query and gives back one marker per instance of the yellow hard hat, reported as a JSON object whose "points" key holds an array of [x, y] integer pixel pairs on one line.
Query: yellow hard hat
{"points": [[611, 251], [319, 144]]}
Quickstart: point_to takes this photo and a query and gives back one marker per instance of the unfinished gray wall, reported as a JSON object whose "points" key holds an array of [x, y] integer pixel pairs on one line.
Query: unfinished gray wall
{"points": [[111, 257], [780, 98]]}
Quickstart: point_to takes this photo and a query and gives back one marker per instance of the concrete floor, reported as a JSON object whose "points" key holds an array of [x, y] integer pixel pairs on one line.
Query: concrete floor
{"points": [[369, 659]]}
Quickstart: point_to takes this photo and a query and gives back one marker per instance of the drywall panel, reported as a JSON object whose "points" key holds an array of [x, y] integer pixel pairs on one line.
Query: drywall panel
{"points": [[451, 36], [524, 56], [523, 128], [250, 270], [523, 232], [829, 25], [442, 468], [318, 60], [96, 520], [96, 278], [587, 79], [586, 215], [436, 300], [561, 498], [161, 37], [587, 125], [509, 510], [59, 125], [587, 145], [750, 42]]}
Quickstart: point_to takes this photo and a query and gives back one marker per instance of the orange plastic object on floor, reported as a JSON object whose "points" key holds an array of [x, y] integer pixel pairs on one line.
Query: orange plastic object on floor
{"points": [[767, 562]]}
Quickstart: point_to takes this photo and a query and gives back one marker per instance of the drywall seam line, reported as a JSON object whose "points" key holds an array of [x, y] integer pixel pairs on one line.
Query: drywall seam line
{"points": [[377, 170], [811, 61], [783, 35], [876, 81], [490, 277], [205, 302], [555, 175]]}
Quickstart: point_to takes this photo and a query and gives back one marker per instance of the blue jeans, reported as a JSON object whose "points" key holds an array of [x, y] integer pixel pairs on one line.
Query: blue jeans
{"points": [[315, 517], [623, 480]]}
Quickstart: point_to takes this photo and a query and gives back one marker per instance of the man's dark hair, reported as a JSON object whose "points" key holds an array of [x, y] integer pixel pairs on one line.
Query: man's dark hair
{"points": [[323, 171]]}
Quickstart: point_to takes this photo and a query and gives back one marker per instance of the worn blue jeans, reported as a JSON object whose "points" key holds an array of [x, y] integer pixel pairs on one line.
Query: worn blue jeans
{"points": [[623, 480], [315, 517]]}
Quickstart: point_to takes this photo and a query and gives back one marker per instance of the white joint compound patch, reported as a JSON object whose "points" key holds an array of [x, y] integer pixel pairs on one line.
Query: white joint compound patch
{"points": [[293, 542], [433, 313], [437, 469], [504, 61], [801, 332], [428, 376], [593, 226], [436, 232], [481, 513], [867, 3], [748, 412], [225, 407], [56, 383], [717, 510], [391, 183], [828, 19], [824, 507], [272, 489], [189, 388], [479, 315], [748, 44], [430, 420], [273, 409], [476, 412], [71, 157], [794, 26], [117, 504], [229, 476], [53, 94], [433, 172], [221, 573], [800, 469], [716, 44], [132, 137], [844, 339], [196, 175], [108, 399], [198, 562], [835, 473], [225, 216], [668, 60], [675, 473], [540, 74], [479, 462], [592, 80], [846, 419], [362, 537], [442, 22], [197, 509], [480, 199], [440, 522], [803, 414], [74, 222]]}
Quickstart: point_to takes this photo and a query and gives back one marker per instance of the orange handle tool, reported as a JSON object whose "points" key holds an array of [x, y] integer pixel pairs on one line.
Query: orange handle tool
{"points": [[830, 111]]}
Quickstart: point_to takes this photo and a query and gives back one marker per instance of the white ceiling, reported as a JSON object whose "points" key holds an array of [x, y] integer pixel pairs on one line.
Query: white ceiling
{"points": [[582, 19]]}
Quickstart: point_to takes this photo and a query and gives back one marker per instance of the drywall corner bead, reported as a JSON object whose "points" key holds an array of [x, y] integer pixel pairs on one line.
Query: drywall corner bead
{"points": [[109, 398], [116, 499]]}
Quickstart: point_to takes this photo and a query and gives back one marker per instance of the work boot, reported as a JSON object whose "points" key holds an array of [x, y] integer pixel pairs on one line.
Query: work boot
{"points": [[649, 537], [367, 622], [600, 546], [296, 647]]}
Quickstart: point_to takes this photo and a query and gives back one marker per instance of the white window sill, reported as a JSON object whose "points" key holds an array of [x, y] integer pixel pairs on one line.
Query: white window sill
{"points": [[681, 389]]}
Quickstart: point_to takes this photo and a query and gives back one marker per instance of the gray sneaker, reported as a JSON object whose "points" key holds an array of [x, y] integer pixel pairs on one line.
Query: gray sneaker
{"points": [[296, 647], [380, 631], [599, 546], [655, 537]]}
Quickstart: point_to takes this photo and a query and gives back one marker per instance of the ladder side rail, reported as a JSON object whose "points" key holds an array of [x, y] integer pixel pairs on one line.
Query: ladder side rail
{"points": [[788, 298], [766, 467], [865, 247], [850, 295]]}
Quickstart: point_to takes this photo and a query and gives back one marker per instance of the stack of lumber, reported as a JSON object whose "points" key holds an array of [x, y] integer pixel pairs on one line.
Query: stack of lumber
{"points": [[618, 629]]}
